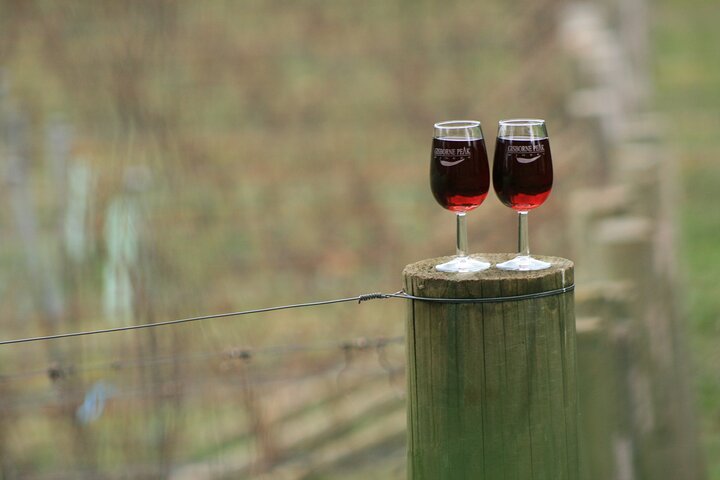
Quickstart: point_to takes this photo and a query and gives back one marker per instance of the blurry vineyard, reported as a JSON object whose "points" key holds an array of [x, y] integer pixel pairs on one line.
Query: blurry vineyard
{"points": [[169, 158]]}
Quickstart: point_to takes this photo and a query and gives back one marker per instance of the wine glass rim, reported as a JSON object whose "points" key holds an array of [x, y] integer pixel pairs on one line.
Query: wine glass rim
{"points": [[458, 124], [522, 121]]}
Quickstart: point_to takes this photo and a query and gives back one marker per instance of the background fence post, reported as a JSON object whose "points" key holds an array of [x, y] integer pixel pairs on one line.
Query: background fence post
{"points": [[491, 386]]}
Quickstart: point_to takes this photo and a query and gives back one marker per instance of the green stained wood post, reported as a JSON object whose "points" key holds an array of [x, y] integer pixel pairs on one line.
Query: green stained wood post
{"points": [[492, 389]]}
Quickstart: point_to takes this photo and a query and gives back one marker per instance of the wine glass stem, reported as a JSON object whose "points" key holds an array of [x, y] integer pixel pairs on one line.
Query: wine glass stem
{"points": [[523, 241], [461, 247]]}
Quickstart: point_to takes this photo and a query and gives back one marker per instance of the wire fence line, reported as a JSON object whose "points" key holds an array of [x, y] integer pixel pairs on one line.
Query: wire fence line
{"points": [[57, 371], [234, 360], [357, 298]]}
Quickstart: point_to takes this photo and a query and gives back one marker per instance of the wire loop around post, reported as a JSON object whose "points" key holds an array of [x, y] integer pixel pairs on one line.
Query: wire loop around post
{"points": [[509, 298], [358, 298]]}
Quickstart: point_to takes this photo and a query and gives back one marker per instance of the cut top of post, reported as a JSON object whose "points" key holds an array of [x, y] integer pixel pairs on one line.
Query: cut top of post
{"points": [[422, 279]]}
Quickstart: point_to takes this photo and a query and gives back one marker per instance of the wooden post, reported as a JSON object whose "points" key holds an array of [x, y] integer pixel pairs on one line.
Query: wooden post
{"points": [[491, 386]]}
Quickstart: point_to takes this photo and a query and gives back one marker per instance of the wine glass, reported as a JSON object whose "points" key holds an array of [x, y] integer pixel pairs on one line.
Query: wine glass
{"points": [[460, 180], [522, 178]]}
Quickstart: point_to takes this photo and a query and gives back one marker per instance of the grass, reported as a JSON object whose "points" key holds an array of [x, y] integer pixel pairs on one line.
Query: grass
{"points": [[687, 75]]}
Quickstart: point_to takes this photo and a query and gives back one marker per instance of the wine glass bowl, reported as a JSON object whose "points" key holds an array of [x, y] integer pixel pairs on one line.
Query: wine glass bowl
{"points": [[522, 179], [459, 180]]}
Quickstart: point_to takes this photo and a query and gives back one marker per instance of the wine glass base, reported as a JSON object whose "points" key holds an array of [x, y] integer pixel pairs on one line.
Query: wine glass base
{"points": [[523, 263], [463, 265]]}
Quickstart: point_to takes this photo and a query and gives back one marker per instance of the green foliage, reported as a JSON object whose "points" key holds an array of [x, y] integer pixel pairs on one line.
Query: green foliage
{"points": [[687, 64]]}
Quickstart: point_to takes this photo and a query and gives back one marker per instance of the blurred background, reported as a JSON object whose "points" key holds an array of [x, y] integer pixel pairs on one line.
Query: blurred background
{"points": [[169, 158]]}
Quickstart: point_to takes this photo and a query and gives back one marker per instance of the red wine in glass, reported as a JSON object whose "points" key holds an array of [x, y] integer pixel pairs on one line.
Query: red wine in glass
{"points": [[522, 178], [459, 180], [459, 173], [522, 172]]}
